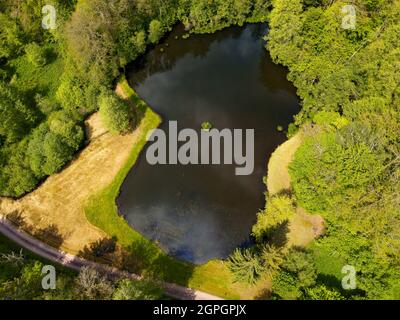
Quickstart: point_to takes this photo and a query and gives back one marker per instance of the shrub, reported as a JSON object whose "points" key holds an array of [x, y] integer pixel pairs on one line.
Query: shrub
{"points": [[137, 290], [272, 258], [92, 285], [279, 209], [53, 144], [155, 31], [115, 113], [36, 54], [74, 93], [286, 286], [298, 273], [321, 292], [301, 264], [330, 119], [245, 266]]}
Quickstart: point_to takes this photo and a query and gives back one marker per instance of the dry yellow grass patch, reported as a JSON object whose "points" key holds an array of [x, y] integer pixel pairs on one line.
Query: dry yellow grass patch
{"points": [[59, 201], [304, 228], [259, 291], [278, 179]]}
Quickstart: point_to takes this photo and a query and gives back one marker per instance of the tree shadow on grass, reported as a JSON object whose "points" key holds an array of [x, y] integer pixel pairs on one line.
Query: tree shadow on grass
{"points": [[138, 109], [263, 294], [332, 282], [278, 235], [156, 264], [284, 192], [102, 250], [50, 235], [18, 220], [142, 258], [51, 55]]}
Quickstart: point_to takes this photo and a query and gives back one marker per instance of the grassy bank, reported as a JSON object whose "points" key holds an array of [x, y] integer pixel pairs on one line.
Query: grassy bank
{"points": [[278, 179], [101, 211]]}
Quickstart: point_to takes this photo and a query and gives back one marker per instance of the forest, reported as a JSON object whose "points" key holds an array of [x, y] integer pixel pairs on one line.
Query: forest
{"points": [[347, 168]]}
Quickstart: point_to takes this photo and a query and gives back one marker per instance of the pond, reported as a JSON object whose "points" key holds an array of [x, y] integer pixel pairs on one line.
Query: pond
{"points": [[201, 212]]}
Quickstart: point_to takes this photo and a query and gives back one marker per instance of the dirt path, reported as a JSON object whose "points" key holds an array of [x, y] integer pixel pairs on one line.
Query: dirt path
{"points": [[76, 263]]}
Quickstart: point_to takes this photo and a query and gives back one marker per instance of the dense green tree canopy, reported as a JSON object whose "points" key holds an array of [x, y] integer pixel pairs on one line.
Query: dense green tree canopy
{"points": [[347, 167], [346, 170], [115, 113]]}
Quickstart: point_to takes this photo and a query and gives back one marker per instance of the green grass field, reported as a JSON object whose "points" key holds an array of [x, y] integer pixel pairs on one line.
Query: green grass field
{"points": [[328, 265]]}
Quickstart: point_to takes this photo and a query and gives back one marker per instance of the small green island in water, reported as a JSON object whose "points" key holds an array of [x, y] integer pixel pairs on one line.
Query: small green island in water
{"points": [[207, 126]]}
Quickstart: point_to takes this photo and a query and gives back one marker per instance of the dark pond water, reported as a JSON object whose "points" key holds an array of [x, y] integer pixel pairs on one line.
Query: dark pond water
{"points": [[198, 213]]}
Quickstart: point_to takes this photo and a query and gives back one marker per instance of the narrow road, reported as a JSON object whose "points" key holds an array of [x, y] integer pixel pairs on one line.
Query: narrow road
{"points": [[76, 263]]}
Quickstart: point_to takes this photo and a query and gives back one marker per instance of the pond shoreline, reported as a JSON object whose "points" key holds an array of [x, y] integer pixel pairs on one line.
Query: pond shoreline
{"points": [[204, 212], [101, 211]]}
